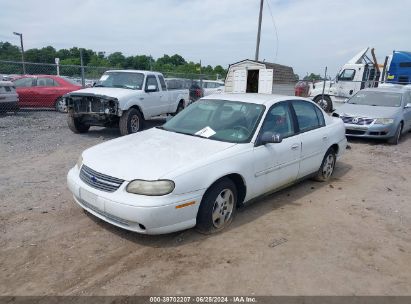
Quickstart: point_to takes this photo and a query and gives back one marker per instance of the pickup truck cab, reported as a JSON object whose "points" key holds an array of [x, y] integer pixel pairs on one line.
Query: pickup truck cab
{"points": [[123, 98]]}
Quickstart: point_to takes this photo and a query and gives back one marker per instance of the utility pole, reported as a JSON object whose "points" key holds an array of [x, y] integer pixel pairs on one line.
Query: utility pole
{"points": [[257, 48], [22, 50]]}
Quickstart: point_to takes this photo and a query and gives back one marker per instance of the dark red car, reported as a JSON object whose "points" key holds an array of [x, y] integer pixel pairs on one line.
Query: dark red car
{"points": [[43, 91]]}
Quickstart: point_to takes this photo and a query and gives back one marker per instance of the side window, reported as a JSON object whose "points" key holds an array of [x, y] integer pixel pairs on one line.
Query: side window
{"points": [[162, 82], [151, 80], [279, 120], [307, 117], [320, 116], [45, 82], [23, 82], [347, 75]]}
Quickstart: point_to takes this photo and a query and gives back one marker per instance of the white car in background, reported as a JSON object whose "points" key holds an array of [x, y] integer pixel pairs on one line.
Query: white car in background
{"points": [[212, 87], [8, 97], [214, 156]]}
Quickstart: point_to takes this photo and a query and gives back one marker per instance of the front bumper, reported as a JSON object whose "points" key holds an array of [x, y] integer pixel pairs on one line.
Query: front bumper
{"points": [[9, 105], [370, 131], [138, 213]]}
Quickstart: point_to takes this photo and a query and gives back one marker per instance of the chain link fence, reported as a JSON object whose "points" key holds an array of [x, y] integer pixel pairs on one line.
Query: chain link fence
{"points": [[43, 85]]}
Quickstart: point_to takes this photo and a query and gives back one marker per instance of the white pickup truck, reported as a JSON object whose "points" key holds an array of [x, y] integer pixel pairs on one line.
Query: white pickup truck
{"points": [[123, 98]]}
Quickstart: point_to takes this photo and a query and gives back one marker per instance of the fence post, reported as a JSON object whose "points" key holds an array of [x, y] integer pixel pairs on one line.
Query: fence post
{"points": [[83, 80]]}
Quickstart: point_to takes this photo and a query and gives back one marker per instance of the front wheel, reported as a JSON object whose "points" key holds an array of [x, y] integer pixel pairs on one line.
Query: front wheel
{"points": [[218, 207], [327, 166], [396, 138], [75, 125], [325, 103], [131, 122]]}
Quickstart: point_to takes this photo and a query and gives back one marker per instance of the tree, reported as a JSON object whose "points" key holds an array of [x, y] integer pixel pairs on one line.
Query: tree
{"points": [[117, 59], [312, 77]]}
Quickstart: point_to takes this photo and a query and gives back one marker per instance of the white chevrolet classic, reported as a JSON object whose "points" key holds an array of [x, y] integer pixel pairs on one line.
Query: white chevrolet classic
{"points": [[211, 158]]}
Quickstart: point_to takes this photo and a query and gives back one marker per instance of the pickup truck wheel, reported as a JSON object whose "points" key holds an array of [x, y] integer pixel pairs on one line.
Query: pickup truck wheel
{"points": [[75, 125], [131, 122], [327, 166], [395, 140], [325, 103], [218, 207], [179, 108], [60, 105]]}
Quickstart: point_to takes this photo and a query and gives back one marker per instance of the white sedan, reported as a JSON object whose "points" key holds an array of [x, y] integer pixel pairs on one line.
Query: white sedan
{"points": [[211, 158]]}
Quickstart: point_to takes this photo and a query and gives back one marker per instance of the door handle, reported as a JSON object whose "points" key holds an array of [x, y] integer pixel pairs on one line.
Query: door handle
{"points": [[325, 138], [295, 147]]}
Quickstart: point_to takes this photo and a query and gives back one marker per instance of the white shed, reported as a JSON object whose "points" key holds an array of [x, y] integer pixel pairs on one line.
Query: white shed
{"points": [[250, 76]]}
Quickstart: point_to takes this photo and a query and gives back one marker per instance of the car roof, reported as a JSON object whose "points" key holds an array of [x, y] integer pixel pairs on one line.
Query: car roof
{"points": [[136, 71], [257, 98]]}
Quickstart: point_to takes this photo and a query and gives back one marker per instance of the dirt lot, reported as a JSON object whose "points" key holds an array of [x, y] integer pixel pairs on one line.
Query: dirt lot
{"points": [[351, 236]]}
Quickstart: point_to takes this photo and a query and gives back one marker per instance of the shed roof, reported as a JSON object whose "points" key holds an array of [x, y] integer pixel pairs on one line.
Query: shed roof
{"points": [[281, 73]]}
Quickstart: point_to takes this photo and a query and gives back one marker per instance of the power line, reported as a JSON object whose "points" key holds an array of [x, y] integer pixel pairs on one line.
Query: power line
{"points": [[275, 29]]}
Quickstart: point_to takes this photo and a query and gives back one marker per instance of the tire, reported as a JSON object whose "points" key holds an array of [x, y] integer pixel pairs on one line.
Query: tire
{"points": [[326, 104], [327, 166], [131, 122], [396, 138], [223, 193], [75, 125], [60, 105], [180, 108]]}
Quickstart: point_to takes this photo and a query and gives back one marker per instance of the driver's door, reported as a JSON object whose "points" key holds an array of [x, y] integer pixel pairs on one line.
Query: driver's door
{"points": [[152, 99], [277, 164]]}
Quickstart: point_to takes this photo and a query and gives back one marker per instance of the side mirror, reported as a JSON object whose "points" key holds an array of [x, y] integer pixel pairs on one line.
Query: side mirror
{"points": [[271, 138], [151, 88], [408, 105]]}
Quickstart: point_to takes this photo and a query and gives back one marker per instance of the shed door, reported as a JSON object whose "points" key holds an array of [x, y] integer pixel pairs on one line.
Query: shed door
{"points": [[240, 81], [265, 81]]}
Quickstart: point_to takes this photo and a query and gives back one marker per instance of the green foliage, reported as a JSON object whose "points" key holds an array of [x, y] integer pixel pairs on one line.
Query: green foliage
{"points": [[312, 77], [170, 65]]}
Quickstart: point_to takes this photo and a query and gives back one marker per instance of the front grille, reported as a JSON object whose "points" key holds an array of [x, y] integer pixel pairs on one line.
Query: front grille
{"points": [[357, 120], [354, 132], [98, 180], [103, 213]]}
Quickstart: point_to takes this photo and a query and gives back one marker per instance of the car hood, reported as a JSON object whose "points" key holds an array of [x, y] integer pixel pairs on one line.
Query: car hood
{"points": [[348, 109], [150, 154], [118, 93]]}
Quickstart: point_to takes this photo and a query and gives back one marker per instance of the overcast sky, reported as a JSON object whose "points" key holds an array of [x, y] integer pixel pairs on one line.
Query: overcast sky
{"points": [[311, 34]]}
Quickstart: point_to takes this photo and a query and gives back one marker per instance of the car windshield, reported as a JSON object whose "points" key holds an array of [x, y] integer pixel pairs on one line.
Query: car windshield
{"points": [[124, 80], [382, 99], [223, 120]]}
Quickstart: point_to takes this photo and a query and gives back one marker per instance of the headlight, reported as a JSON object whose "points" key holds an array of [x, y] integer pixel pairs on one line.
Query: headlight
{"points": [[79, 162], [384, 121], [152, 188]]}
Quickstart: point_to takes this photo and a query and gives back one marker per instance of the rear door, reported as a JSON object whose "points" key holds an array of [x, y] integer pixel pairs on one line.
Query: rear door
{"points": [[314, 136], [47, 92]]}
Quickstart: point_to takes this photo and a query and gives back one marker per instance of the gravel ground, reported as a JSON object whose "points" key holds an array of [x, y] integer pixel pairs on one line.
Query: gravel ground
{"points": [[350, 236]]}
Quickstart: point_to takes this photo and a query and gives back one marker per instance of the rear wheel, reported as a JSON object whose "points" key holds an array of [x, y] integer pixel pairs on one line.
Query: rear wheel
{"points": [[131, 122], [218, 207], [179, 108], [75, 125], [327, 166], [60, 105], [325, 103], [396, 138]]}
